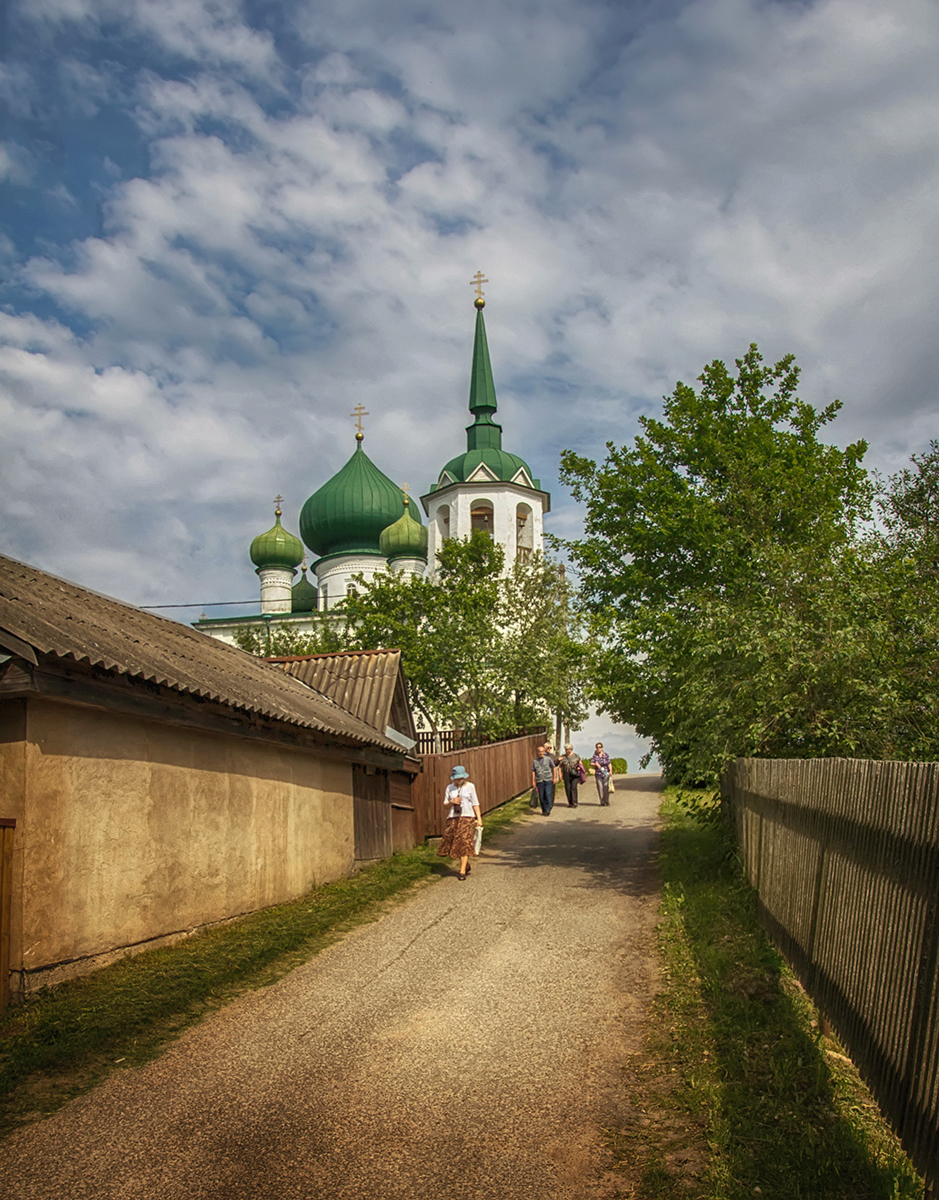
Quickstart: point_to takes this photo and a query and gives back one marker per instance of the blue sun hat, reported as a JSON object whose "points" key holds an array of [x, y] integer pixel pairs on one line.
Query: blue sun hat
{"points": [[459, 773]]}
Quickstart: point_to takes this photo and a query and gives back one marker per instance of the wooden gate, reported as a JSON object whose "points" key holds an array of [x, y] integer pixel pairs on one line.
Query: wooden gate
{"points": [[371, 810]]}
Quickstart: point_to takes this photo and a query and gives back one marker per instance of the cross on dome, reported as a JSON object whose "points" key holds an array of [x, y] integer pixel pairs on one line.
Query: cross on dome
{"points": [[359, 412]]}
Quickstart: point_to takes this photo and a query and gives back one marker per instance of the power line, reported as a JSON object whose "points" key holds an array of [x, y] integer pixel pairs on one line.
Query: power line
{"points": [[208, 604]]}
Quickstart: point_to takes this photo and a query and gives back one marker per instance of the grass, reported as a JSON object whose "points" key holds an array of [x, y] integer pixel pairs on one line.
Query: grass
{"points": [[70, 1036], [738, 1093]]}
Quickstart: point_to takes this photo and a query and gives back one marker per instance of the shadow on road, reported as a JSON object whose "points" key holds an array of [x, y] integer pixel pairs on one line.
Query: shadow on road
{"points": [[614, 851]]}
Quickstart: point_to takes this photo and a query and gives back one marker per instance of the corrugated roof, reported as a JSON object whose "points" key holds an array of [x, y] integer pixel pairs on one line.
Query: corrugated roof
{"points": [[59, 618], [360, 681]]}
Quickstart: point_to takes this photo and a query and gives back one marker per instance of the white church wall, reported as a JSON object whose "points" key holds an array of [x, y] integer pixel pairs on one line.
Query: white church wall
{"points": [[334, 575]]}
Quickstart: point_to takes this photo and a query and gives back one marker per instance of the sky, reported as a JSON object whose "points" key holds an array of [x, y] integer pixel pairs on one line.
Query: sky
{"points": [[225, 224]]}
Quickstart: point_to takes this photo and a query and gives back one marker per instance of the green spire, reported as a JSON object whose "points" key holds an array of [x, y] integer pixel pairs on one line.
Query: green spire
{"points": [[484, 433]]}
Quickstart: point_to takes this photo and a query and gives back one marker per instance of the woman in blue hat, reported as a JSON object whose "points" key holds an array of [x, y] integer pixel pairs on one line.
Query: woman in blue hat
{"points": [[463, 820]]}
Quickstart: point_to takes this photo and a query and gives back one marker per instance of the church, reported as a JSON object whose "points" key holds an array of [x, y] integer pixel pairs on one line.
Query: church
{"points": [[361, 522]]}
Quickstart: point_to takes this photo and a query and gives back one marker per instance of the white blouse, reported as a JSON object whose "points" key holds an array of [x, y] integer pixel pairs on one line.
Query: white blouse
{"points": [[465, 793]]}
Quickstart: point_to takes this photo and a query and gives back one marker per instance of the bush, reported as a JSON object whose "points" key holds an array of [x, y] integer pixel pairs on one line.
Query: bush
{"points": [[619, 766]]}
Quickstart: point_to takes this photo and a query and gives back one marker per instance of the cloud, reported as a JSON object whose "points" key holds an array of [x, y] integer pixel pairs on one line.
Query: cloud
{"points": [[647, 190]]}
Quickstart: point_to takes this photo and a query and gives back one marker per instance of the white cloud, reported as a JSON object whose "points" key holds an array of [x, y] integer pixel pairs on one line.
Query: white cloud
{"points": [[646, 191]]}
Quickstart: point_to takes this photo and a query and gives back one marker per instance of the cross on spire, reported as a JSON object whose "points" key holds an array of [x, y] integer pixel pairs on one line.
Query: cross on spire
{"points": [[278, 501], [477, 282], [404, 488], [359, 412]]}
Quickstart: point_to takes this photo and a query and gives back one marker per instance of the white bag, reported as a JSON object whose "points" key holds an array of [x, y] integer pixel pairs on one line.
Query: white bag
{"points": [[478, 839]]}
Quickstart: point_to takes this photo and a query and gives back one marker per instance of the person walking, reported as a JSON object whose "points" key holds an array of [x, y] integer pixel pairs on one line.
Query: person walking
{"points": [[571, 767], [600, 761], [463, 820], [544, 775]]}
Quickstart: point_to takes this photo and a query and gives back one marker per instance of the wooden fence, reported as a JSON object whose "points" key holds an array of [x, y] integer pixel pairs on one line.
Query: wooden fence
{"points": [[844, 855], [500, 771]]}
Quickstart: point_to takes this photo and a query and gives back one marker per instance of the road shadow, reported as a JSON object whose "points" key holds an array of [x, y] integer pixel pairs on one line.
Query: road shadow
{"points": [[615, 851]]}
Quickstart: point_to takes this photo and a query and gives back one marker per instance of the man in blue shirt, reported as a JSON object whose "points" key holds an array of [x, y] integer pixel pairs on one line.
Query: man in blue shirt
{"points": [[544, 775]]}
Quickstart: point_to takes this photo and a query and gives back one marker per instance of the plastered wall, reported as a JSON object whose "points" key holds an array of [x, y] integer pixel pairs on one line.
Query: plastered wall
{"points": [[128, 829]]}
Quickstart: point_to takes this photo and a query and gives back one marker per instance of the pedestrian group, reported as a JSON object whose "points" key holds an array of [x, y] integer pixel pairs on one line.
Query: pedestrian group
{"points": [[463, 829]]}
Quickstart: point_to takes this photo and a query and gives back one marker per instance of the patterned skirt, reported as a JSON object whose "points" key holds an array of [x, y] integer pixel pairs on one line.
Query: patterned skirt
{"points": [[458, 837]]}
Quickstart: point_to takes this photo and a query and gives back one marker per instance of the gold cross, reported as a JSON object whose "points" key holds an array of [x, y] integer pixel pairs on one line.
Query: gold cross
{"points": [[359, 412], [278, 501], [477, 282], [404, 488]]}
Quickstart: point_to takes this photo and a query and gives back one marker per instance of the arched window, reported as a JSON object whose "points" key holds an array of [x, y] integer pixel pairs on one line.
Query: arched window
{"points": [[524, 533], [443, 521], [481, 516]]}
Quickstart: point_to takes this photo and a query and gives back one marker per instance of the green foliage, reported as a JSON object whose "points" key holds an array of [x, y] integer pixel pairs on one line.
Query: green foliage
{"points": [[479, 651], [619, 766], [279, 641], [719, 570]]}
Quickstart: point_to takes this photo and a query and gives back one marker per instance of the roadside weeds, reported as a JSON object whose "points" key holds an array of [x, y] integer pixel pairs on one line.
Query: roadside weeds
{"points": [[738, 1093]]}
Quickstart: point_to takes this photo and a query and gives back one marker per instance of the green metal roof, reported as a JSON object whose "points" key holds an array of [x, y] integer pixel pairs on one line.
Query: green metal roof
{"points": [[406, 538], [349, 512], [277, 548]]}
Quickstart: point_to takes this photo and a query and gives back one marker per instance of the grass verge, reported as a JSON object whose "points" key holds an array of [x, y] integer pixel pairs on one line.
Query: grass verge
{"points": [[738, 1094], [70, 1036]]}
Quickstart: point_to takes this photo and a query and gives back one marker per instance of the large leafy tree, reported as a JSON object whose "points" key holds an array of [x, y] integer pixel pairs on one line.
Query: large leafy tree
{"points": [[444, 629], [481, 650], [714, 548]]}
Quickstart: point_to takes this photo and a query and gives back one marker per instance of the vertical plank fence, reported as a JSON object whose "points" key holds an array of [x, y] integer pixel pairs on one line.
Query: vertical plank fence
{"points": [[500, 771], [844, 855]]}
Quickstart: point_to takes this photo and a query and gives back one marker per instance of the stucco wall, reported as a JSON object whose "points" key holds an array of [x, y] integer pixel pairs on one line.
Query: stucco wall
{"points": [[129, 829]]}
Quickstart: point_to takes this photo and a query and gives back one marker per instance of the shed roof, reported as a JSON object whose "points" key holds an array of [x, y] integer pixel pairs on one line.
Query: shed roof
{"points": [[55, 617], [364, 682]]}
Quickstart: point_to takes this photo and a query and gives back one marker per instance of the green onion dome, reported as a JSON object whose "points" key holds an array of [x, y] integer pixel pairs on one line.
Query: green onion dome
{"points": [[349, 512], [406, 538], [303, 595], [277, 548]]}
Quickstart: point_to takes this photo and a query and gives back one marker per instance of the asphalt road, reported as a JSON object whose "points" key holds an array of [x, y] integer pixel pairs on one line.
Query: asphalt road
{"points": [[468, 1044]]}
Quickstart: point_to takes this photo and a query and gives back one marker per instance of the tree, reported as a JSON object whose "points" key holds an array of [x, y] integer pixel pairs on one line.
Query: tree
{"points": [[909, 506], [542, 654], [278, 642], [444, 629], [480, 651], [712, 547]]}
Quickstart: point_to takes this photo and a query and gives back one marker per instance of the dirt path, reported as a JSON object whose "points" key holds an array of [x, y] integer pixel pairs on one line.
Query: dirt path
{"points": [[467, 1045]]}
